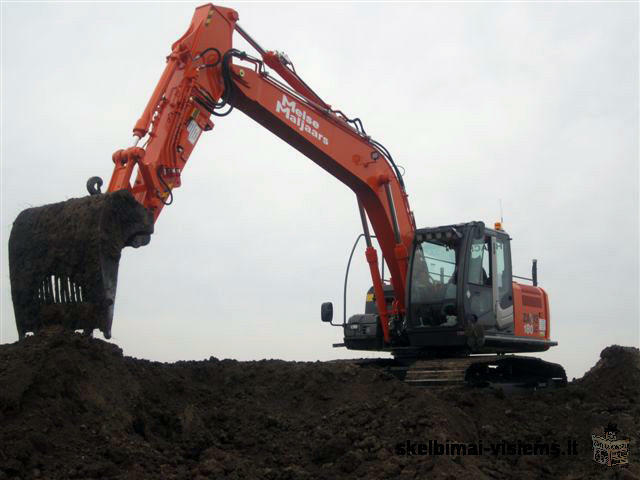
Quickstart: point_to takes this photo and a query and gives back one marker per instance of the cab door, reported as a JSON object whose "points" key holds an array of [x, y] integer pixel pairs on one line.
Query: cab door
{"points": [[489, 289], [502, 282], [479, 298]]}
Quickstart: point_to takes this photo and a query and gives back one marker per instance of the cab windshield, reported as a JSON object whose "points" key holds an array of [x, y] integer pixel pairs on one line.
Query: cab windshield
{"points": [[433, 289]]}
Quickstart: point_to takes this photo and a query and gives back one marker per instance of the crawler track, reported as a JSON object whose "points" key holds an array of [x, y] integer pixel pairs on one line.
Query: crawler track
{"points": [[437, 372], [479, 371]]}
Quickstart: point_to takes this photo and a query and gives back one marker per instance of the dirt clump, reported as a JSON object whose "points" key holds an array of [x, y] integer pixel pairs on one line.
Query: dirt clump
{"points": [[75, 407], [63, 259]]}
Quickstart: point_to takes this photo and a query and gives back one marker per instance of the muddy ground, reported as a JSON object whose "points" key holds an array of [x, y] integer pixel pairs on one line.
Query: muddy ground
{"points": [[75, 407]]}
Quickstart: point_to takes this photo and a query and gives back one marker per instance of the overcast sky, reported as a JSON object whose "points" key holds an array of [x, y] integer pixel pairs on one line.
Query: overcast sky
{"points": [[534, 104]]}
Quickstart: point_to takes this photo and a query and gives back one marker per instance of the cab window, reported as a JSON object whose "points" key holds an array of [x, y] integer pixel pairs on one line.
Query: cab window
{"points": [[503, 273], [480, 262]]}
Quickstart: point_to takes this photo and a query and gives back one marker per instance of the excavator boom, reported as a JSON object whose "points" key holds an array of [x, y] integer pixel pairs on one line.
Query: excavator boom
{"points": [[205, 77]]}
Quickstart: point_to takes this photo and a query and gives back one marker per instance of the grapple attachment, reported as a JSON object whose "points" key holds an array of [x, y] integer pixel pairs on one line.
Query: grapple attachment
{"points": [[63, 260]]}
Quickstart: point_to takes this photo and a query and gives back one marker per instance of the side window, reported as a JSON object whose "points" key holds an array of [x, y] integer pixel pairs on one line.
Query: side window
{"points": [[500, 265], [480, 262], [503, 272], [419, 275]]}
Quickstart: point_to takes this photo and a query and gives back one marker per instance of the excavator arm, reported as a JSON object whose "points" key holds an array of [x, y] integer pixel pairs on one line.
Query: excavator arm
{"points": [[202, 81], [205, 77]]}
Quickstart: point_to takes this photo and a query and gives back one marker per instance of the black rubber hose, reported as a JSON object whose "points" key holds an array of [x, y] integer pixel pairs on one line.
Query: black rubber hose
{"points": [[346, 278], [393, 164], [93, 185], [164, 184], [204, 52]]}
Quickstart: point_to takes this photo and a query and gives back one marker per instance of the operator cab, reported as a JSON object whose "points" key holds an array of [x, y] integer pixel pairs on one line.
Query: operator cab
{"points": [[460, 298], [460, 277]]}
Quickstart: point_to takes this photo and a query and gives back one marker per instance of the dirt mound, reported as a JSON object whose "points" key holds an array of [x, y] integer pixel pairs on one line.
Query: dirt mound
{"points": [[617, 373], [75, 407]]}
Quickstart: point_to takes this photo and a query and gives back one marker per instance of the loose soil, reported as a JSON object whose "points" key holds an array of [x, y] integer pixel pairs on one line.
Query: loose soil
{"points": [[75, 407], [63, 259]]}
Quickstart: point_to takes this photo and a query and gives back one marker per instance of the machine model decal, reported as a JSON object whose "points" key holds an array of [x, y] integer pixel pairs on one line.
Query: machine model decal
{"points": [[534, 325]]}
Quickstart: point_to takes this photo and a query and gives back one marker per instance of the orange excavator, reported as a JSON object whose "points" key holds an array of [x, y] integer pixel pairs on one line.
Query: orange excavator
{"points": [[450, 293]]}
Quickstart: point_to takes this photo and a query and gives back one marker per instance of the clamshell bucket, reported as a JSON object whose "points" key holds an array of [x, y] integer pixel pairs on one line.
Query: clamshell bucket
{"points": [[63, 260]]}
